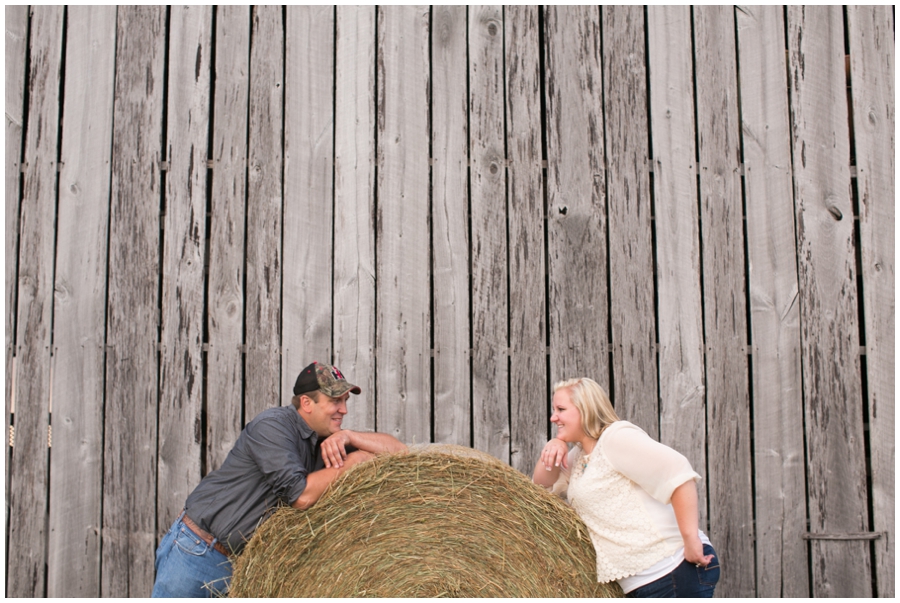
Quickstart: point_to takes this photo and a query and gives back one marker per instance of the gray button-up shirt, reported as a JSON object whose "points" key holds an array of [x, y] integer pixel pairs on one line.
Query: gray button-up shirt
{"points": [[267, 466]]}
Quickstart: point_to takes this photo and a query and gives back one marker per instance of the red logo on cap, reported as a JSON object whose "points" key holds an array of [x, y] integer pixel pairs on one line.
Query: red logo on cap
{"points": [[336, 373]]}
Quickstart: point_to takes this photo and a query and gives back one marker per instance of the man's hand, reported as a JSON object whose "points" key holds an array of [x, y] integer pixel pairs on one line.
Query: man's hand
{"points": [[334, 448]]}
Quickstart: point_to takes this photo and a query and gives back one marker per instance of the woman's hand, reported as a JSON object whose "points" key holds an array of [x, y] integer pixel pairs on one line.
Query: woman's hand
{"points": [[555, 454], [693, 553]]}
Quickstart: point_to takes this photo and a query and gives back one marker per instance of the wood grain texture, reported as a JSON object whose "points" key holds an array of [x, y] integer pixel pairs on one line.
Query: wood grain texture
{"points": [[403, 327], [781, 555], [829, 326], [450, 223], [309, 194], [576, 195], [490, 306], [225, 314], [354, 209], [130, 437], [16, 48], [682, 382], [725, 307], [264, 213], [871, 32], [629, 214], [76, 461], [184, 248], [29, 468], [528, 404]]}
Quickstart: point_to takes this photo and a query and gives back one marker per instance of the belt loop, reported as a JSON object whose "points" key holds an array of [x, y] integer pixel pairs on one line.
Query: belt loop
{"points": [[181, 516]]}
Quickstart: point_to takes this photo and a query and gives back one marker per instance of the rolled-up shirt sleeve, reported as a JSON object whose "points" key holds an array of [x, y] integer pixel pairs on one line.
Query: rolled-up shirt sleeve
{"points": [[655, 467], [284, 467]]}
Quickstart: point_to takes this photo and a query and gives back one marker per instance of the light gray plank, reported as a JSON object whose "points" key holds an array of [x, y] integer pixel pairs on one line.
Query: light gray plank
{"points": [[829, 327], [871, 31], [450, 216], [76, 461], [354, 209], [727, 378], [264, 213], [130, 420], [403, 327], [184, 241], [16, 48], [29, 470], [309, 196], [225, 314], [529, 416], [629, 214], [682, 382], [781, 555], [576, 195], [490, 372]]}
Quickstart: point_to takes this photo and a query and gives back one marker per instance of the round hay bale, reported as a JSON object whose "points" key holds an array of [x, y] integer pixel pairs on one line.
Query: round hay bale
{"points": [[431, 523]]}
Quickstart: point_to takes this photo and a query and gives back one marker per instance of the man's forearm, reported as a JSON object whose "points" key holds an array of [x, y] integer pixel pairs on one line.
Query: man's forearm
{"points": [[317, 482], [373, 442]]}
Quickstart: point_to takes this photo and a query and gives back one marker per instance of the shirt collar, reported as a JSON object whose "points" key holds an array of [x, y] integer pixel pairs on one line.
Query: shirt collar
{"points": [[306, 432]]}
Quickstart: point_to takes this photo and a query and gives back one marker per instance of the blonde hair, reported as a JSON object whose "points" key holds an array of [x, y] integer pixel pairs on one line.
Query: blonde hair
{"points": [[592, 403]]}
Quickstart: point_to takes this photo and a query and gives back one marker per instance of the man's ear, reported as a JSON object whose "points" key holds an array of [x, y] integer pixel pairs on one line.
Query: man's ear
{"points": [[306, 403]]}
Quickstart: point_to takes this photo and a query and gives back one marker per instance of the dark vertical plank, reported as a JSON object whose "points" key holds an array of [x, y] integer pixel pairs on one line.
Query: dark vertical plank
{"points": [[872, 72], [130, 440], [490, 373], [781, 554], [630, 236], [829, 327], [354, 208], [527, 306], [16, 48], [29, 470], [184, 241], [576, 195], [725, 308], [450, 223], [225, 318], [403, 328], [309, 195], [682, 384], [76, 461], [264, 213]]}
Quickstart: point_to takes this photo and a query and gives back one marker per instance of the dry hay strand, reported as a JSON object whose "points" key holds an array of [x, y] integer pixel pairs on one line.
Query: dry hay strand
{"points": [[431, 523]]}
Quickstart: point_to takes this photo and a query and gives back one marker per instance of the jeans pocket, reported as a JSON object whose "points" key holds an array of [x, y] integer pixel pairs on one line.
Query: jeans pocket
{"points": [[709, 575], [189, 543]]}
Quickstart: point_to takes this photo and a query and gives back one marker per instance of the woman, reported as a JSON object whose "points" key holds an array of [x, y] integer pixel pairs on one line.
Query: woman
{"points": [[637, 497]]}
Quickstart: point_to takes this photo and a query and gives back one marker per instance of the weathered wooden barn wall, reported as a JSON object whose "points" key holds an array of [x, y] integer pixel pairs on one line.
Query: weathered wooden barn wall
{"points": [[459, 207]]}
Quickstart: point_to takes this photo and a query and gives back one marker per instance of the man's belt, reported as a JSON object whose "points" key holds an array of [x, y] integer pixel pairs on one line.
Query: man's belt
{"points": [[204, 535]]}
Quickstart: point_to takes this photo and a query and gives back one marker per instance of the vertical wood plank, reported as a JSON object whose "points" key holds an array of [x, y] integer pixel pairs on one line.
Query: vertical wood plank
{"points": [[781, 554], [29, 469], [354, 208], [630, 236], [450, 223], [528, 404], [130, 440], [264, 213], [829, 327], [576, 195], [309, 195], [225, 319], [682, 384], [184, 241], [872, 71], [76, 461], [16, 49], [725, 308], [403, 328], [490, 338]]}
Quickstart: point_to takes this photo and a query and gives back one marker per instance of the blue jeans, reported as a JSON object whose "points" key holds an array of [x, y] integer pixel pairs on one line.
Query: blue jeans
{"points": [[188, 567], [686, 580]]}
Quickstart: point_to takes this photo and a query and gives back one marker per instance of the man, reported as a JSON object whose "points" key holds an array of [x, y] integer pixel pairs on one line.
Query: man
{"points": [[285, 455]]}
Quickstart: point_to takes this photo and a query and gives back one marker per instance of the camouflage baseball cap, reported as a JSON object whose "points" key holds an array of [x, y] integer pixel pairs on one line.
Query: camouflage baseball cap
{"points": [[325, 378]]}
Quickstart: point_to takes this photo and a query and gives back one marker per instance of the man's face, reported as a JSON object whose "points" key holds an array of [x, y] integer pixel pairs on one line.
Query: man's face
{"points": [[324, 414]]}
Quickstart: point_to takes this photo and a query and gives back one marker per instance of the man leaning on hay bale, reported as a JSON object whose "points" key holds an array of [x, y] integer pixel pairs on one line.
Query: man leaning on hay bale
{"points": [[285, 455]]}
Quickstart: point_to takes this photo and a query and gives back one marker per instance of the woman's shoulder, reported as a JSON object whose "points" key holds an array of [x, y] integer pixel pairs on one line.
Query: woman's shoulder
{"points": [[622, 432]]}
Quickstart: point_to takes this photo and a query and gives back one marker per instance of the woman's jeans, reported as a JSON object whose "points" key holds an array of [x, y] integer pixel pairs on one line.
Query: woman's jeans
{"points": [[686, 580], [188, 567]]}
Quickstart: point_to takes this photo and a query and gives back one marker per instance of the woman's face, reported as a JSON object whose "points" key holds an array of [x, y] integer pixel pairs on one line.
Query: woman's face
{"points": [[566, 417]]}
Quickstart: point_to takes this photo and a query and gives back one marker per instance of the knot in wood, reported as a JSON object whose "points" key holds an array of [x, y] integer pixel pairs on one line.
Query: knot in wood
{"points": [[492, 29]]}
